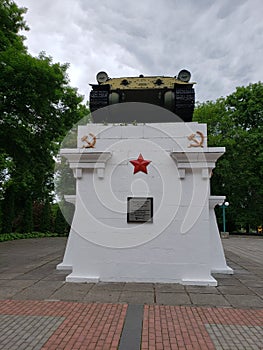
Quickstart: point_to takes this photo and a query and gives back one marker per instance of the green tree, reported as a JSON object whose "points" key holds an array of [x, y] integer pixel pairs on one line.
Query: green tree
{"points": [[27, 226], [11, 23], [60, 225], [8, 206], [245, 106], [37, 108], [45, 224], [236, 122]]}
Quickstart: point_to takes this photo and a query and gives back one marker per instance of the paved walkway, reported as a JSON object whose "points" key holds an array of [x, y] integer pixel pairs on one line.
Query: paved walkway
{"points": [[38, 310]]}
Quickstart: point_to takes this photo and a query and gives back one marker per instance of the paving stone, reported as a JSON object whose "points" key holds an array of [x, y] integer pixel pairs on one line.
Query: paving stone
{"points": [[19, 284], [201, 289], [169, 288], [84, 322], [102, 296], [249, 277], [235, 337], [72, 291], [242, 272], [29, 276], [257, 268], [172, 299], [38, 291], [8, 292], [14, 329], [56, 275], [180, 326], [139, 287], [236, 290], [208, 299], [37, 258], [132, 329], [245, 301], [135, 297], [230, 281], [258, 290], [8, 276], [100, 325], [253, 283], [116, 286]]}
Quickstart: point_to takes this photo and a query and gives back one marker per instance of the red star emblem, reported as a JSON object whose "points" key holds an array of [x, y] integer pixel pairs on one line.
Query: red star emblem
{"points": [[140, 164]]}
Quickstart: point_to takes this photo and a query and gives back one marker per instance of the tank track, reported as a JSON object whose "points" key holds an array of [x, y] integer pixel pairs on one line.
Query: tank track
{"points": [[98, 99], [184, 103]]}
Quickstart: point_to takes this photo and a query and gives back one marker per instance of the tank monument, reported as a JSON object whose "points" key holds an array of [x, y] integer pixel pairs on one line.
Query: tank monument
{"points": [[143, 207]]}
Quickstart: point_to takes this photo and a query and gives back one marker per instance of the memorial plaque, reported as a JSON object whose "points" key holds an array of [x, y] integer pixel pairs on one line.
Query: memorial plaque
{"points": [[140, 209]]}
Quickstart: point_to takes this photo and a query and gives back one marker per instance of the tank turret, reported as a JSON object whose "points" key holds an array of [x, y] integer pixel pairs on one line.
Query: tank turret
{"points": [[173, 93]]}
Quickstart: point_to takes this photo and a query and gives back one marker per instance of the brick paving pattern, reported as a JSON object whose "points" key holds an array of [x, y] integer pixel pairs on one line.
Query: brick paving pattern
{"points": [[85, 326], [38, 310], [26, 332], [70, 326], [235, 337], [196, 328]]}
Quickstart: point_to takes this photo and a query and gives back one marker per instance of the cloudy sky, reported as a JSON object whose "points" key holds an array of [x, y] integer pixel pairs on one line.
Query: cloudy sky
{"points": [[219, 41]]}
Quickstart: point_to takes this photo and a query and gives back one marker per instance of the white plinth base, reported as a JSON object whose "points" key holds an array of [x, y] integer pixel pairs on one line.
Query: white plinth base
{"points": [[81, 279], [194, 282], [207, 282], [62, 266], [227, 271]]}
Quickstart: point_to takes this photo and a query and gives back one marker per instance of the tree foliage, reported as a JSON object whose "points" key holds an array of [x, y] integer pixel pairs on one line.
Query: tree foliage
{"points": [[45, 224], [8, 210], [236, 122], [11, 23], [27, 223], [37, 108], [60, 224]]}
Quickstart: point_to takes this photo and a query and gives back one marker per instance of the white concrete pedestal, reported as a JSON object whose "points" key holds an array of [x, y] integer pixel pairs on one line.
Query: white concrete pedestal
{"points": [[182, 243]]}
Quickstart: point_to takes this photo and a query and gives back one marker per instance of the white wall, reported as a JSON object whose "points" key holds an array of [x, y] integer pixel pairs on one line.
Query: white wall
{"points": [[175, 247]]}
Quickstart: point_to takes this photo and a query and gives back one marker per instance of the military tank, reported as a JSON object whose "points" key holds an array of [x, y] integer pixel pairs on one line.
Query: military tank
{"points": [[173, 93]]}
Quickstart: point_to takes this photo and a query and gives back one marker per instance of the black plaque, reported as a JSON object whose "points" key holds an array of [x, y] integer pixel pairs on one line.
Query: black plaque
{"points": [[140, 209]]}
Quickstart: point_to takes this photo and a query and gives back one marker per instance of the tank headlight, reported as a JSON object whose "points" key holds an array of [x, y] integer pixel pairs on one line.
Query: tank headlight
{"points": [[184, 75], [102, 77]]}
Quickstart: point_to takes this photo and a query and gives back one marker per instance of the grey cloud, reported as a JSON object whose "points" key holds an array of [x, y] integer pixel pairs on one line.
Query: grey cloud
{"points": [[220, 42], [227, 8]]}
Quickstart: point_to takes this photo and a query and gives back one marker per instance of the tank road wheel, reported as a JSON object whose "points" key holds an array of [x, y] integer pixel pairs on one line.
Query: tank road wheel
{"points": [[169, 101], [114, 97]]}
